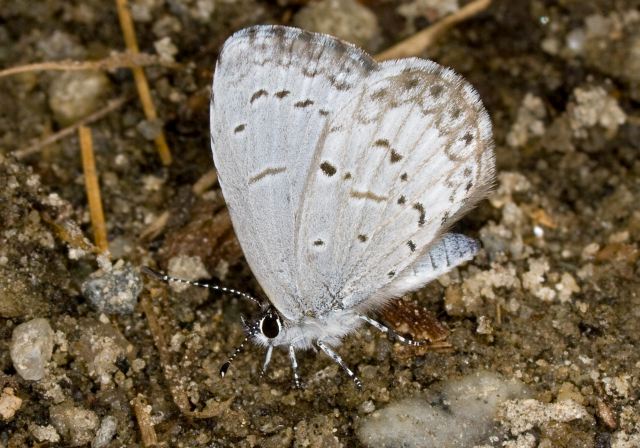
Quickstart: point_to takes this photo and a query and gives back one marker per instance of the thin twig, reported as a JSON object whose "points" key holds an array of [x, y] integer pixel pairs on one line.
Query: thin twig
{"points": [[143, 417], [206, 181], [115, 61], [418, 43], [93, 189], [126, 23], [50, 139]]}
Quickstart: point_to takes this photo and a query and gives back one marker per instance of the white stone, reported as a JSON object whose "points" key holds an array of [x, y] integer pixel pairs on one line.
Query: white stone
{"points": [[31, 348]]}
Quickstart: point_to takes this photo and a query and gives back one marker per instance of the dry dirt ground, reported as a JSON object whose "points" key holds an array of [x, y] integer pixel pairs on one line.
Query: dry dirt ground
{"points": [[544, 322]]}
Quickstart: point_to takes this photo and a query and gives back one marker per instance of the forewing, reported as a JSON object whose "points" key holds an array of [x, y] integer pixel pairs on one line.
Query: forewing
{"points": [[393, 170], [274, 91]]}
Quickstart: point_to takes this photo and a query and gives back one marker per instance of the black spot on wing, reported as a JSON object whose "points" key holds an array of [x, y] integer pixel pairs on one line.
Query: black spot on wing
{"points": [[412, 245], [436, 90], [420, 208], [257, 95], [303, 104], [328, 169], [395, 157], [282, 93], [239, 128]]}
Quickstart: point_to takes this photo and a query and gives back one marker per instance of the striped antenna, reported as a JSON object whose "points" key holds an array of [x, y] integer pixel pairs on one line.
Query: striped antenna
{"points": [[252, 331], [167, 279]]}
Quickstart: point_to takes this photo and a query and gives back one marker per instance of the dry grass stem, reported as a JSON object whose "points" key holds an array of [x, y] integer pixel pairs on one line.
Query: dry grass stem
{"points": [[153, 230], [50, 139], [126, 23], [143, 417], [206, 181], [115, 61], [419, 42], [93, 189]]}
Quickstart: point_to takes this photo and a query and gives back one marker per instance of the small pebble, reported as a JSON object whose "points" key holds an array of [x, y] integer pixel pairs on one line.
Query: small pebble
{"points": [[188, 268], [346, 19], [149, 129], [31, 348], [9, 403], [76, 425], [456, 413], [114, 290], [106, 432], [45, 433], [75, 94]]}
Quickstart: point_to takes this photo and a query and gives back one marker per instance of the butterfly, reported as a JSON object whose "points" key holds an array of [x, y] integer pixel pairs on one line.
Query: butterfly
{"points": [[341, 176]]}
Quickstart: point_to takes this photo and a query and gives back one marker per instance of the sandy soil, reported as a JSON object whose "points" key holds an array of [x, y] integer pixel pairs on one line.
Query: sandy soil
{"points": [[552, 301]]}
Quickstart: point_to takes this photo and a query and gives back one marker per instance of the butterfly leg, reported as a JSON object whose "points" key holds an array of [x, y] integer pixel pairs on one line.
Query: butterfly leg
{"points": [[338, 360], [267, 360], [294, 367], [389, 332]]}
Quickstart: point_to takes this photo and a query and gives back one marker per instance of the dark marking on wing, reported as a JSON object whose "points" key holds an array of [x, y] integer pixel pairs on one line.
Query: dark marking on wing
{"points": [[455, 113], [323, 112], [402, 200], [338, 85], [363, 238], [410, 83], [420, 208], [382, 142], [281, 33], [265, 173], [347, 175], [468, 138], [404, 177], [318, 243], [239, 128], [445, 218], [391, 274], [303, 104], [436, 90], [282, 93], [467, 172], [395, 157], [257, 95], [468, 186], [367, 195], [252, 32], [379, 94], [310, 73], [328, 169], [433, 264], [412, 245]]}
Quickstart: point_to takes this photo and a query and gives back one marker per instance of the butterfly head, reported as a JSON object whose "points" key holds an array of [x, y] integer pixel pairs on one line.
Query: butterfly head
{"points": [[270, 324]]}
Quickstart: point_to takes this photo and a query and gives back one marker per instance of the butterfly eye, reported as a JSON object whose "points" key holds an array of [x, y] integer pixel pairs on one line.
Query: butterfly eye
{"points": [[270, 325]]}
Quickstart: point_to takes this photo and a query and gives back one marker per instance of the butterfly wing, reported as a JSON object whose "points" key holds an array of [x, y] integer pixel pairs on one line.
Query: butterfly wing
{"points": [[448, 252], [274, 91], [394, 168]]}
